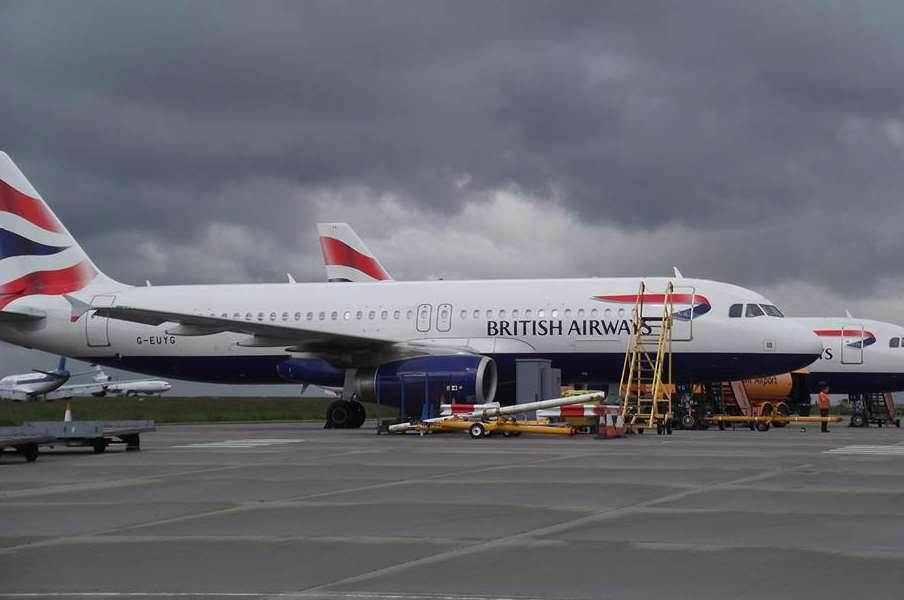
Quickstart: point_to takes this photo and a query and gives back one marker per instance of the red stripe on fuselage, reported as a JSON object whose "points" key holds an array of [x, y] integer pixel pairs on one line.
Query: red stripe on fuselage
{"points": [[62, 281], [655, 298], [844, 333], [30, 209], [338, 253]]}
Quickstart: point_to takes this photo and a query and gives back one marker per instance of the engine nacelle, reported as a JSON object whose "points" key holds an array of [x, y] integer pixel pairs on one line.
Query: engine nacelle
{"points": [[431, 379]]}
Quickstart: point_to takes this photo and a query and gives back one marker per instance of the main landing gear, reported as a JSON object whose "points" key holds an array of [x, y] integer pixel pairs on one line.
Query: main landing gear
{"points": [[345, 414]]}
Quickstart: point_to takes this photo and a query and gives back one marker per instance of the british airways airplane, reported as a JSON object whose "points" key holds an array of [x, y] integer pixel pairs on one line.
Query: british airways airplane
{"points": [[859, 355], [379, 341]]}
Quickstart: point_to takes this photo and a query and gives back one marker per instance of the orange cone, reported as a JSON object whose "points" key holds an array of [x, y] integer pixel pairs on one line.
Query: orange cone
{"points": [[67, 416]]}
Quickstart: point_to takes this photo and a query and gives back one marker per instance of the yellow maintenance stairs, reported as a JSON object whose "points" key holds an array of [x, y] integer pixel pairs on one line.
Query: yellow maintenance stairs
{"points": [[646, 380]]}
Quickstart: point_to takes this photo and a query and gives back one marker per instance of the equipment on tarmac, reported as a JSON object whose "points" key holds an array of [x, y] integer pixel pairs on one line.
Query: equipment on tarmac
{"points": [[873, 408], [486, 420], [646, 380]]}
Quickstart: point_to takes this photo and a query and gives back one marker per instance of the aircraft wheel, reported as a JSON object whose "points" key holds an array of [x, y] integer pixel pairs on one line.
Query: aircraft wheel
{"points": [[339, 415], [29, 451], [858, 420], [477, 431], [359, 415]]}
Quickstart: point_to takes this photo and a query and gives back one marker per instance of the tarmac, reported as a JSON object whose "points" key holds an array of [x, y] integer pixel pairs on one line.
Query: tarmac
{"points": [[295, 511]]}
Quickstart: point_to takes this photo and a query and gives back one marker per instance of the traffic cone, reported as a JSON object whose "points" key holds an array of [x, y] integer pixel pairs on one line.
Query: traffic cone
{"points": [[67, 416]]}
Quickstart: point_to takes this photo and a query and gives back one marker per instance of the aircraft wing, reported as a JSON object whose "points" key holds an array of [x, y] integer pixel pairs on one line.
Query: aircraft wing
{"points": [[261, 334], [79, 389]]}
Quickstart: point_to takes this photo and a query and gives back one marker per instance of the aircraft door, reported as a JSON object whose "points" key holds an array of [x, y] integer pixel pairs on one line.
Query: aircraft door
{"points": [[852, 340], [444, 317], [684, 299], [97, 332], [424, 317]]}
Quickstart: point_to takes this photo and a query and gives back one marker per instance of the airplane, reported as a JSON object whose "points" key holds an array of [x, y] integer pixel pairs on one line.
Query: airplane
{"points": [[377, 341], [133, 387], [45, 385]]}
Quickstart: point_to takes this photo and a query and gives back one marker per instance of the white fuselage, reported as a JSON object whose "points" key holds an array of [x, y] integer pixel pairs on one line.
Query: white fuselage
{"points": [[562, 319]]}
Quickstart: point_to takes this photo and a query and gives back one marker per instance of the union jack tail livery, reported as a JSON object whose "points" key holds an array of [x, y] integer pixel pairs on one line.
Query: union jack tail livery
{"points": [[38, 256], [345, 256]]}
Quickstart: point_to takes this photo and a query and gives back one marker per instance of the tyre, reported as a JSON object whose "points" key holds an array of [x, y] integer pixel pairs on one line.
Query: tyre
{"points": [[359, 415], [29, 451], [688, 421], [898, 423], [477, 431], [668, 427], [339, 415], [762, 426], [858, 420], [781, 411], [99, 445]]}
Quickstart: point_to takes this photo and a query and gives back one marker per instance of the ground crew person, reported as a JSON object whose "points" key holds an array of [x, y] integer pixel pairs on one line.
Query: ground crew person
{"points": [[824, 405]]}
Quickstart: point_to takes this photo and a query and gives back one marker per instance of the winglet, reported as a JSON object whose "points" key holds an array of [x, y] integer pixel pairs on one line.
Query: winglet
{"points": [[291, 279], [848, 314], [678, 274]]}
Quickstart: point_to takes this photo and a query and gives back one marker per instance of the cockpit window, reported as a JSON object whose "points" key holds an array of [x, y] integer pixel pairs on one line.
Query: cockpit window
{"points": [[735, 311], [771, 310], [894, 342], [754, 310]]}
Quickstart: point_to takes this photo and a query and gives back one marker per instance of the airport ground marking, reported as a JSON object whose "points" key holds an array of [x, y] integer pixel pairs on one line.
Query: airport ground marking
{"points": [[594, 518], [895, 450], [242, 443]]}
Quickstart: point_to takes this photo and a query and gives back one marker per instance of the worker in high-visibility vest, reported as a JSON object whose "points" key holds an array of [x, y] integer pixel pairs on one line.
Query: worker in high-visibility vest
{"points": [[824, 404]]}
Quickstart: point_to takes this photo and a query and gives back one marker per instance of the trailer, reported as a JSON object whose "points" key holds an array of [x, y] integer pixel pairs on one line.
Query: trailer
{"points": [[25, 443], [96, 434]]}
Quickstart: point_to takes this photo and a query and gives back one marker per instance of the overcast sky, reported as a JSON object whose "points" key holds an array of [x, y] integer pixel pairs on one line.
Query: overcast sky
{"points": [[755, 142]]}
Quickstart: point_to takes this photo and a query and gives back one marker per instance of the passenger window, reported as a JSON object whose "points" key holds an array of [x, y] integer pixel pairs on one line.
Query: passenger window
{"points": [[489, 313], [298, 316], [310, 316], [894, 342], [515, 313], [540, 313], [247, 316], [580, 313], [397, 315], [555, 313], [225, 315], [347, 315], [567, 313], [502, 313], [476, 313], [372, 315], [409, 314], [334, 315], [384, 315], [359, 315], [464, 314], [236, 315], [753, 310], [595, 312], [528, 314], [260, 316], [322, 316], [285, 316], [735, 311], [273, 316]]}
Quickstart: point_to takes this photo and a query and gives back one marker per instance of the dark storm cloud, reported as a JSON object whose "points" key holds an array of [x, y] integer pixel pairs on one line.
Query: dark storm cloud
{"points": [[765, 138]]}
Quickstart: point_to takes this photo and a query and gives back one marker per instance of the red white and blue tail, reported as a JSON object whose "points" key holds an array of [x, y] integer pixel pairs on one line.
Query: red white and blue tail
{"points": [[37, 254], [345, 256]]}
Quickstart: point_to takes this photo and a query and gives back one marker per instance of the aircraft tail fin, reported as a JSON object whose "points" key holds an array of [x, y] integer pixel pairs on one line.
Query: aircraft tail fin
{"points": [[38, 255], [346, 257]]}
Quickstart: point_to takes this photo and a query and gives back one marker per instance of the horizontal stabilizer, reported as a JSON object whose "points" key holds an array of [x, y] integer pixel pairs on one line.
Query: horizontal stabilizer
{"points": [[11, 316]]}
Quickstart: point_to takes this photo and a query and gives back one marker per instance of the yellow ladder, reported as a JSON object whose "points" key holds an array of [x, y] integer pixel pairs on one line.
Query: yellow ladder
{"points": [[646, 381]]}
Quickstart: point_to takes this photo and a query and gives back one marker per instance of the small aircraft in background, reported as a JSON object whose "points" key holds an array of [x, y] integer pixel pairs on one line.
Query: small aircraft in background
{"points": [[132, 387], [45, 385]]}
